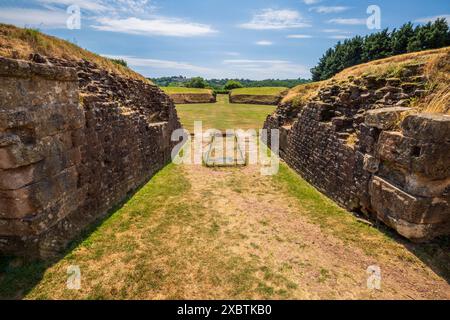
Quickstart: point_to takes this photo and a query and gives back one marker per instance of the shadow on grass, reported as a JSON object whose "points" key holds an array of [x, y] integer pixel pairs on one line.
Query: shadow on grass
{"points": [[435, 254], [19, 276]]}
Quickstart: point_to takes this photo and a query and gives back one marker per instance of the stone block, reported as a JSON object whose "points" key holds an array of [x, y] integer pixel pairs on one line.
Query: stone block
{"points": [[371, 164], [394, 147], [391, 203], [429, 159], [19, 155], [427, 127], [385, 118], [18, 177]]}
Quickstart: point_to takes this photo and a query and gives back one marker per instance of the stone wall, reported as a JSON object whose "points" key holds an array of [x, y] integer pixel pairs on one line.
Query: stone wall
{"points": [[186, 98], [359, 143], [75, 140], [255, 99]]}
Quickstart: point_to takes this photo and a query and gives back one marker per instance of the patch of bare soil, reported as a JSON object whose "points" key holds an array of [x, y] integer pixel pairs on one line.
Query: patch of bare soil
{"points": [[292, 257]]}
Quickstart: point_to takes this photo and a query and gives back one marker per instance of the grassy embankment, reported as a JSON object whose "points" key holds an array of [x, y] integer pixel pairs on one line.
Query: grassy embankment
{"points": [[18, 43], [436, 72]]}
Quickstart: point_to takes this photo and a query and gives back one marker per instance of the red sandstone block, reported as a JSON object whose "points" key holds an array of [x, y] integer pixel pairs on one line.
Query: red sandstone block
{"points": [[429, 159], [390, 201], [16, 203], [18, 177]]}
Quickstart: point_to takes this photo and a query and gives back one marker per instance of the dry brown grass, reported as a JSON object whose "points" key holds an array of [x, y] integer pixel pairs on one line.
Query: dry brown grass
{"points": [[383, 67], [436, 70], [300, 94], [19, 43]]}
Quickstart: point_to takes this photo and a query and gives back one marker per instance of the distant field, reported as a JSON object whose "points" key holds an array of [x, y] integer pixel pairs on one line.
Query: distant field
{"points": [[173, 90], [269, 91], [223, 115]]}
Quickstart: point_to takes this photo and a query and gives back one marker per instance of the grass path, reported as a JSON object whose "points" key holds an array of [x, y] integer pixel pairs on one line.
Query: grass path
{"points": [[234, 234], [223, 115]]}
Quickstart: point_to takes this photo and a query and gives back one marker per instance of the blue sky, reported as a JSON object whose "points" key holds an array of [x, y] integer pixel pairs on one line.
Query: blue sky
{"points": [[254, 39]]}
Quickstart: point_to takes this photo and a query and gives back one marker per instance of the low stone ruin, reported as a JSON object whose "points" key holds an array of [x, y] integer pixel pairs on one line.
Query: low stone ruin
{"points": [[361, 144], [255, 99], [75, 141], [193, 98]]}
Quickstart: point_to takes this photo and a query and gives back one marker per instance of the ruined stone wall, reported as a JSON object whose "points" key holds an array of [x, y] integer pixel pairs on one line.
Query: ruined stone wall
{"points": [[255, 99], [351, 143], [75, 140], [185, 98]]}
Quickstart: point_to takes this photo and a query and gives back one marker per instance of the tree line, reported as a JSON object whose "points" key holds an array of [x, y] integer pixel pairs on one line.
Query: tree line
{"points": [[380, 45], [225, 84]]}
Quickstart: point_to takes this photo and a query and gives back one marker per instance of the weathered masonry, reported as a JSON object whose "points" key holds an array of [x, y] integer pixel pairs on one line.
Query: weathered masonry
{"points": [[358, 143], [75, 140]]}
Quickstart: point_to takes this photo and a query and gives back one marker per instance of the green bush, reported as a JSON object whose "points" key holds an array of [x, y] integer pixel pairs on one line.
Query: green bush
{"points": [[233, 84], [197, 82], [120, 62]]}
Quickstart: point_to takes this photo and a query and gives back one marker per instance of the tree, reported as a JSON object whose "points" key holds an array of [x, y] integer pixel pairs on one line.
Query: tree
{"points": [[377, 46], [197, 82], [233, 84], [401, 37], [381, 45]]}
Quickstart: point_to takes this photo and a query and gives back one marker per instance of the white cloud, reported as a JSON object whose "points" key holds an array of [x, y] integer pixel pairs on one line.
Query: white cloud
{"points": [[264, 69], [232, 54], [339, 37], [90, 5], [350, 21], [162, 64], [325, 9], [22, 17], [335, 31], [270, 19], [309, 2], [161, 26], [299, 36], [434, 18], [264, 43], [110, 6]]}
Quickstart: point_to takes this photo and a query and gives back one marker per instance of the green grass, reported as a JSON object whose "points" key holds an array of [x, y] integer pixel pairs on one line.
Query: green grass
{"points": [[174, 90], [264, 91], [223, 115], [376, 242]]}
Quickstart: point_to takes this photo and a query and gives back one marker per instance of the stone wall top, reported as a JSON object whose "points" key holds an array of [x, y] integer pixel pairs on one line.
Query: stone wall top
{"points": [[25, 69]]}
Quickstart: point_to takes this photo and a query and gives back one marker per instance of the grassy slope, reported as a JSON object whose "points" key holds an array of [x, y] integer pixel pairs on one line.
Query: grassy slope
{"points": [[268, 91], [19, 43], [174, 90], [437, 71], [223, 115]]}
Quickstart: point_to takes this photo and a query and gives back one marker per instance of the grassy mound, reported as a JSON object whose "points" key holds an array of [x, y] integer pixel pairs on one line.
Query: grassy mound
{"points": [[18, 43], [436, 71]]}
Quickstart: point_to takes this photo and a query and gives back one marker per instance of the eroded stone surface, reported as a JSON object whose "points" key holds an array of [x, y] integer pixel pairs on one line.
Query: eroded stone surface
{"points": [[350, 143], [75, 140]]}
